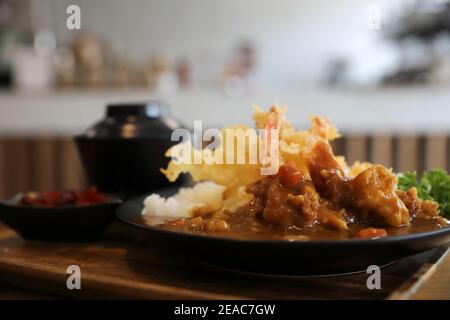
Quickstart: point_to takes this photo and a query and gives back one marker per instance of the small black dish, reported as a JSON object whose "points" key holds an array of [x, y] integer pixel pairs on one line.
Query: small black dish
{"points": [[66, 223], [278, 257]]}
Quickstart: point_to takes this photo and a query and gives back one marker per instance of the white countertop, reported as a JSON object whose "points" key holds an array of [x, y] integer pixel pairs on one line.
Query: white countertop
{"points": [[422, 109]]}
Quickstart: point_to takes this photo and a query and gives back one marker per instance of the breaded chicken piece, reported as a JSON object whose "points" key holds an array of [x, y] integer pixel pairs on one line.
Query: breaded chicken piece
{"points": [[425, 209], [372, 192]]}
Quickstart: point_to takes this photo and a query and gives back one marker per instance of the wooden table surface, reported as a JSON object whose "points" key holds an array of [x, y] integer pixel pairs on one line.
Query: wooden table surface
{"points": [[123, 266], [437, 287], [12, 293]]}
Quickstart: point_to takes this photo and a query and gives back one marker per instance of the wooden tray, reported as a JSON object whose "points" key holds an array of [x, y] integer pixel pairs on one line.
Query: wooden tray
{"points": [[123, 266]]}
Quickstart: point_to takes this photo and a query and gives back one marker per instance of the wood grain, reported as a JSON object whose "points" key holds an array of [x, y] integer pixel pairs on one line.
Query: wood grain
{"points": [[438, 285], [421, 277], [381, 150], [356, 149], [43, 155], [123, 266], [45, 163], [70, 173], [339, 146], [406, 154], [2, 170], [10, 293], [16, 159], [436, 152]]}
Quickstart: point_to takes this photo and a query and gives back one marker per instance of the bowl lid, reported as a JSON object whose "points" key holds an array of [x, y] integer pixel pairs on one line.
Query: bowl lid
{"points": [[134, 120]]}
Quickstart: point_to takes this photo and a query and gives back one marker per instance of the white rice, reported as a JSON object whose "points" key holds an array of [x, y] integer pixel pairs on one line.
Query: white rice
{"points": [[204, 195]]}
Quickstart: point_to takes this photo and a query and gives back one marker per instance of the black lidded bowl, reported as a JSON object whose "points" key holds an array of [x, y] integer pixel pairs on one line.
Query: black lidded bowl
{"points": [[124, 152], [62, 223]]}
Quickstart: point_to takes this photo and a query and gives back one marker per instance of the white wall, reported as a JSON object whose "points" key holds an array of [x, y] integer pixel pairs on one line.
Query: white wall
{"points": [[296, 38], [389, 111]]}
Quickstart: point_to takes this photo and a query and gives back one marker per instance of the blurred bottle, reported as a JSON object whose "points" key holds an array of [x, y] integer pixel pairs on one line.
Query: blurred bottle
{"points": [[121, 72], [32, 65], [183, 70], [159, 76], [64, 63], [89, 58], [237, 70], [156, 67]]}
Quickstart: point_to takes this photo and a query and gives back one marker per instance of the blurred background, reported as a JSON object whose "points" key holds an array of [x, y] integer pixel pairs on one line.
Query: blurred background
{"points": [[379, 69]]}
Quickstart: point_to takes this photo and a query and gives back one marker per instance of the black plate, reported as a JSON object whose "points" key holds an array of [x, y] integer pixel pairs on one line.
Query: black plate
{"points": [[65, 223], [279, 257]]}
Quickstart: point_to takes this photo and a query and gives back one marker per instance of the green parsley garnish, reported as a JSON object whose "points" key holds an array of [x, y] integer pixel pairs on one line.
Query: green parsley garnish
{"points": [[434, 185]]}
